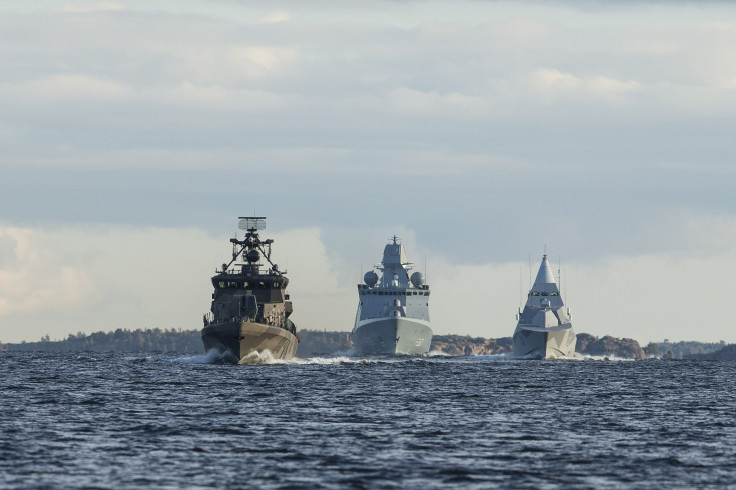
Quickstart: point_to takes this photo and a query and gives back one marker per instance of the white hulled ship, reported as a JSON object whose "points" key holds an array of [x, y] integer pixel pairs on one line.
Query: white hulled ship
{"points": [[393, 312], [544, 329]]}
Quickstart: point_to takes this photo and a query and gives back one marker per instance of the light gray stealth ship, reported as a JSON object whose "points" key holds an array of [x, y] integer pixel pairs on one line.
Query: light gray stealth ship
{"points": [[544, 330], [393, 314]]}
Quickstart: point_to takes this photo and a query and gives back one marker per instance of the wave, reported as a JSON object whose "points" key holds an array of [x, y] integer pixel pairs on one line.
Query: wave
{"points": [[260, 358], [136, 359], [588, 357], [502, 356], [267, 358], [212, 356]]}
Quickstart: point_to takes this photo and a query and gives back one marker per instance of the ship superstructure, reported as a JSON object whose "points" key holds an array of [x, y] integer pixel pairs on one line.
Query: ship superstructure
{"points": [[393, 309], [250, 307], [544, 329]]}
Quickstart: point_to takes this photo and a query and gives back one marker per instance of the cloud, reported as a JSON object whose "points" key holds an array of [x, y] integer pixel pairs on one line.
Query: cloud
{"points": [[552, 83], [605, 131], [651, 298], [231, 65], [108, 6], [211, 98], [275, 16], [66, 88], [109, 277], [645, 297], [34, 279], [422, 104]]}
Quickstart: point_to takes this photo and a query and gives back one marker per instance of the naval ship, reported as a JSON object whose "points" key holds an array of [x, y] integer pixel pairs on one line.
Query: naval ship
{"points": [[393, 313], [250, 307], [544, 330]]}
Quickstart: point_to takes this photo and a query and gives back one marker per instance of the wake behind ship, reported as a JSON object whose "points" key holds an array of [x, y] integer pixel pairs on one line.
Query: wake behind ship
{"points": [[544, 329], [250, 307], [393, 314]]}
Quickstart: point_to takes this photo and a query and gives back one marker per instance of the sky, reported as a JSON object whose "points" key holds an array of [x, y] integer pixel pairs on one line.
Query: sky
{"points": [[482, 133]]}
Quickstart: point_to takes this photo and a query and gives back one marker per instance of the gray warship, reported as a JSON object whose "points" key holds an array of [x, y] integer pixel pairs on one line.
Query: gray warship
{"points": [[250, 307], [544, 329], [393, 313]]}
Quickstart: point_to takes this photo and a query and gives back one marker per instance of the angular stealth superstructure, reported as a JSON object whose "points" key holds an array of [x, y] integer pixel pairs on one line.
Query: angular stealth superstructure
{"points": [[544, 330], [393, 314]]}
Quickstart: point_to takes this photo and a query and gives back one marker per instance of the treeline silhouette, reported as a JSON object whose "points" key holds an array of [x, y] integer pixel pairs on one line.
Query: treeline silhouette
{"points": [[683, 349], [121, 340], [315, 342]]}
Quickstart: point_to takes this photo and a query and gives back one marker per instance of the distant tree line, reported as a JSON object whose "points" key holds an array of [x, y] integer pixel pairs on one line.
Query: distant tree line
{"points": [[121, 340], [682, 350], [315, 343], [726, 353]]}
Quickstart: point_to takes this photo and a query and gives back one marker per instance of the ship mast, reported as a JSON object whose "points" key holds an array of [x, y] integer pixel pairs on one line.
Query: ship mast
{"points": [[251, 244]]}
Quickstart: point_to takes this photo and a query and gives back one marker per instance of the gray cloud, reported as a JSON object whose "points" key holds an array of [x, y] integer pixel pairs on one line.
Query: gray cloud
{"points": [[483, 129]]}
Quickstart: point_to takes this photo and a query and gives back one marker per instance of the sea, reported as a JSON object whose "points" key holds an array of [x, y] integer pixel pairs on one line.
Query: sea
{"points": [[91, 420]]}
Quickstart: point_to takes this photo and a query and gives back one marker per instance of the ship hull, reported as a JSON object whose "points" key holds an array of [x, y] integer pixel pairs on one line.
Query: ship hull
{"points": [[243, 338], [391, 336], [532, 342]]}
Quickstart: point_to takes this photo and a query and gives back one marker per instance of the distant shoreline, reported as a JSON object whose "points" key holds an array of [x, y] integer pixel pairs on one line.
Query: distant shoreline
{"points": [[315, 342]]}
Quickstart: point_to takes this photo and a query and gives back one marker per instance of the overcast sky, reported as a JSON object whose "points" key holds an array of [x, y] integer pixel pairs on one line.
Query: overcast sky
{"points": [[133, 133]]}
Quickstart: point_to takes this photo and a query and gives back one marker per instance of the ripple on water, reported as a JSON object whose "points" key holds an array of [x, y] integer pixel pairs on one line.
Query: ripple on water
{"points": [[161, 420]]}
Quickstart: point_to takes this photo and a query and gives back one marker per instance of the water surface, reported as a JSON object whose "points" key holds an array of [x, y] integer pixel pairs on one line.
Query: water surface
{"points": [[111, 420]]}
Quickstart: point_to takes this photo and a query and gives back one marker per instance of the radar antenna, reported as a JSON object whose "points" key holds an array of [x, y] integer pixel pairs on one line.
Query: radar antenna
{"points": [[251, 241], [252, 223]]}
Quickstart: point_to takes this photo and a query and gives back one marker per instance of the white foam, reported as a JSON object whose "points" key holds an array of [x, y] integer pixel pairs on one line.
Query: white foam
{"points": [[501, 356], [326, 360], [260, 358], [267, 358], [136, 359], [213, 356], [587, 357]]}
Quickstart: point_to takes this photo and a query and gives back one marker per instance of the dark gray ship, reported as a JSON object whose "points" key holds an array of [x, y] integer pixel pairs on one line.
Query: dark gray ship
{"points": [[544, 329], [250, 307], [393, 313]]}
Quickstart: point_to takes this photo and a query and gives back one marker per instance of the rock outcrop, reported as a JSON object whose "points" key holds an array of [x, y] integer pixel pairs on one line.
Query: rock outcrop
{"points": [[315, 343], [459, 345], [609, 346]]}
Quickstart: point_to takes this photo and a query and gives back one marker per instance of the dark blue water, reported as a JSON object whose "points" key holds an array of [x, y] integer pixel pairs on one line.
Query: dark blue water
{"points": [[110, 420]]}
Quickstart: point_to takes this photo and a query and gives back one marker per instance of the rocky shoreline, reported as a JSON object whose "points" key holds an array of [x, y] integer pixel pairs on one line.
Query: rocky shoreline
{"points": [[317, 343]]}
